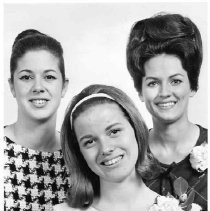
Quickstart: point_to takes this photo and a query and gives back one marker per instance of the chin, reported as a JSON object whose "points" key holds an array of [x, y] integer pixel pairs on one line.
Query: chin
{"points": [[168, 120], [42, 117], [118, 177], [165, 116]]}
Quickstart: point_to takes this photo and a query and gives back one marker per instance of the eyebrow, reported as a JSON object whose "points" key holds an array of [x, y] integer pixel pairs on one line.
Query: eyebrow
{"points": [[30, 71], [50, 70], [84, 137], [25, 70], [112, 125], [152, 77]]}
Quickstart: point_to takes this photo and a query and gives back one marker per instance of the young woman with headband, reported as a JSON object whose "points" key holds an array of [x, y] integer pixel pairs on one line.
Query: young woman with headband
{"points": [[104, 141]]}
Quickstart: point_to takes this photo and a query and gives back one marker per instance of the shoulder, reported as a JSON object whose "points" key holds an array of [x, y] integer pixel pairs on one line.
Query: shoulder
{"points": [[203, 137], [63, 207], [8, 131], [66, 207], [202, 129]]}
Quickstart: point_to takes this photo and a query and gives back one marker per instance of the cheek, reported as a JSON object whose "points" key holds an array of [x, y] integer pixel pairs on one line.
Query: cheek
{"points": [[20, 92], [21, 89], [150, 94], [132, 144], [57, 89], [135, 147], [183, 93], [89, 156]]}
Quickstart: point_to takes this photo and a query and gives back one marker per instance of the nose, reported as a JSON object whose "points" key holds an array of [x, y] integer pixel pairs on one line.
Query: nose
{"points": [[106, 148], [38, 86], [164, 90]]}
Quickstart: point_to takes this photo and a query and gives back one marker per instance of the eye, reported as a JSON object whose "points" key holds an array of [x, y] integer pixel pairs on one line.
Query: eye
{"points": [[89, 143], [176, 81], [50, 77], [25, 77], [114, 132], [152, 83]]}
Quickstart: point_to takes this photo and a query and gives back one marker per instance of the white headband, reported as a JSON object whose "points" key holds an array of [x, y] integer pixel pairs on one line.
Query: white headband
{"points": [[96, 95]]}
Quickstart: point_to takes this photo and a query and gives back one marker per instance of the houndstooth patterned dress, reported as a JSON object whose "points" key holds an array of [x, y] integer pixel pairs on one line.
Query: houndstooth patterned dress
{"points": [[33, 180]]}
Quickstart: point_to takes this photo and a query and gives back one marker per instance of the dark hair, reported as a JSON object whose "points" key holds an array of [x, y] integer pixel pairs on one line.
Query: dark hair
{"points": [[85, 183], [32, 39], [164, 33]]}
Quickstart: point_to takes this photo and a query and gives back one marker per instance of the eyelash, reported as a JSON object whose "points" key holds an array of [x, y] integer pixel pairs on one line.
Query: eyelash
{"points": [[173, 82], [50, 77], [115, 131], [28, 77], [176, 81], [152, 83], [86, 143]]}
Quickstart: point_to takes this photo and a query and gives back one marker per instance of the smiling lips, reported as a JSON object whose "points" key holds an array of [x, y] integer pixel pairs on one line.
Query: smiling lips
{"points": [[166, 105], [112, 161], [39, 103]]}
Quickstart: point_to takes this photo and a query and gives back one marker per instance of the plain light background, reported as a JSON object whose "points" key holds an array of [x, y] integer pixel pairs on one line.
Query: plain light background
{"points": [[94, 38]]}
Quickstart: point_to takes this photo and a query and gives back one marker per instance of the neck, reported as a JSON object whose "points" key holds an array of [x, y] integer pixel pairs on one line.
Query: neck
{"points": [[170, 133], [37, 135], [129, 194], [121, 190], [173, 142]]}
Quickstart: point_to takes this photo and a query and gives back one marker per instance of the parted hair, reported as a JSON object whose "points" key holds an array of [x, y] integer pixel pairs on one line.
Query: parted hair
{"points": [[164, 33], [84, 182], [31, 39]]}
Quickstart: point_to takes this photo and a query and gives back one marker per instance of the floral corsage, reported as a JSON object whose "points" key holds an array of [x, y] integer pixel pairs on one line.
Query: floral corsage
{"points": [[199, 157], [182, 202]]}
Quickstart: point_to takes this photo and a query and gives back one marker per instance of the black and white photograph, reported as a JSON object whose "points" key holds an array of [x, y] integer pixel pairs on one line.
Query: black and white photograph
{"points": [[105, 106]]}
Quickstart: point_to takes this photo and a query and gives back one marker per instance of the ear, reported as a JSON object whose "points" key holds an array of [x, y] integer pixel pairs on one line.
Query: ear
{"points": [[192, 93], [65, 87], [11, 85]]}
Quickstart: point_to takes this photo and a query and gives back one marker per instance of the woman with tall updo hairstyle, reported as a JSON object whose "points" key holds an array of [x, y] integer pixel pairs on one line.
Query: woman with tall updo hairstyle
{"points": [[164, 57], [35, 177]]}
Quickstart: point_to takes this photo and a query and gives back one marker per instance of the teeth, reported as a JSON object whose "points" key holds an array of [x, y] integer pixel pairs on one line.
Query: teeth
{"points": [[113, 161], [39, 102], [165, 105]]}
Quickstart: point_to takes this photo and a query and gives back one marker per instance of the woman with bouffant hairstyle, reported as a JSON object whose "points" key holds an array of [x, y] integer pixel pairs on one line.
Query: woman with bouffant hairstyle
{"points": [[164, 57], [35, 176]]}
